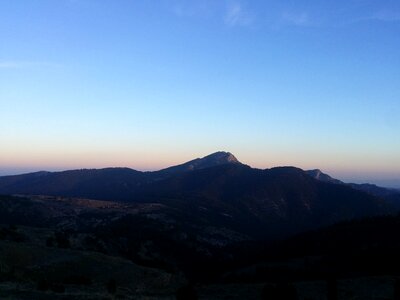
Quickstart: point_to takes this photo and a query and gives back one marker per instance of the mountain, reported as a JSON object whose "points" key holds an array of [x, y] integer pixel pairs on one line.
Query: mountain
{"points": [[209, 220], [374, 189], [319, 175], [212, 160], [216, 190], [105, 184], [117, 184], [266, 202], [392, 196]]}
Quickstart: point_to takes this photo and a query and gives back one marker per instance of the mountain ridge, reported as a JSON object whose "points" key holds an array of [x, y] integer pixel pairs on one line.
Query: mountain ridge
{"points": [[214, 159], [389, 194], [218, 190]]}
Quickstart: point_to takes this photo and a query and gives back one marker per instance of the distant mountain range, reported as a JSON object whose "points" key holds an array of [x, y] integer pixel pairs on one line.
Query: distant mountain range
{"points": [[392, 196], [221, 190]]}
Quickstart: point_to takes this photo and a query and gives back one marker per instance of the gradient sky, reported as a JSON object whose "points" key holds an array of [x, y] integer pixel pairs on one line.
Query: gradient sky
{"points": [[147, 84]]}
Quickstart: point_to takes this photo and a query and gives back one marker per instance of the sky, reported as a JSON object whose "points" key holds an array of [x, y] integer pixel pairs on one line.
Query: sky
{"points": [[148, 84]]}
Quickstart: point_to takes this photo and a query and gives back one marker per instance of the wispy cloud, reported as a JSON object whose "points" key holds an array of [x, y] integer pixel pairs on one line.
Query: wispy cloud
{"points": [[236, 15], [232, 12], [13, 64]]}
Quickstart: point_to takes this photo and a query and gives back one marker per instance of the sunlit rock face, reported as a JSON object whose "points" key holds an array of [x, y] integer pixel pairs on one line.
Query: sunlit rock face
{"points": [[212, 160]]}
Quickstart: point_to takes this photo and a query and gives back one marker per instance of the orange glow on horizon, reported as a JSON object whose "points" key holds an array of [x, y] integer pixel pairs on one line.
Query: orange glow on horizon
{"points": [[336, 165]]}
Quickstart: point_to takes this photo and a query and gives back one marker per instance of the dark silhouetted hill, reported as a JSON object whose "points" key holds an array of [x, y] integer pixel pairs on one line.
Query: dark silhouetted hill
{"points": [[392, 196], [218, 190]]}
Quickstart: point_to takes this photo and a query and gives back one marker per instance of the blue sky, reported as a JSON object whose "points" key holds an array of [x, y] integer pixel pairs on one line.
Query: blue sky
{"points": [[147, 84]]}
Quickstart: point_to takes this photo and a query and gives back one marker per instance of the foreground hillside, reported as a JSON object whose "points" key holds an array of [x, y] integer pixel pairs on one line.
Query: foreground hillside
{"points": [[149, 234], [39, 272], [68, 248]]}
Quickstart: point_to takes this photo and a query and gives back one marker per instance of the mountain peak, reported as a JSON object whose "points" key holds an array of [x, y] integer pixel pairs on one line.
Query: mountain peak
{"points": [[220, 157], [316, 173], [211, 160], [321, 176]]}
